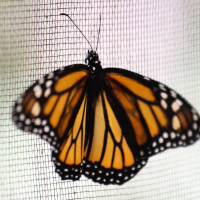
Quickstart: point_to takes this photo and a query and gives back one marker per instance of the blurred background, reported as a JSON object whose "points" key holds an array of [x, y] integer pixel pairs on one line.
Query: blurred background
{"points": [[158, 39]]}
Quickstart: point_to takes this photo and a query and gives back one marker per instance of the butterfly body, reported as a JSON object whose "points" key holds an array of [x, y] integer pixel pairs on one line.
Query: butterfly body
{"points": [[96, 72], [104, 123]]}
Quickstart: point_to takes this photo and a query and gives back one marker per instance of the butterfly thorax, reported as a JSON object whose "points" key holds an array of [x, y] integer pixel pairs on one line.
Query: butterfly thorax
{"points": [[96, 72]]}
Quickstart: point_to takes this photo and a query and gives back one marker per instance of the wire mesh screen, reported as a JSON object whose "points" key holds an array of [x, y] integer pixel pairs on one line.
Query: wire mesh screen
{"points": [[158, 39]]}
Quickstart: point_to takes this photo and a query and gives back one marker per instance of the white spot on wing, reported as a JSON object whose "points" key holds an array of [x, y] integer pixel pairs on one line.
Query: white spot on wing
{"points": [[172, 135], [168, 144], [175, 107], [52, 133], [41, 81], [35, 130], [161, 148], [189, 133], [165, 135], [194, 126], [160, 140], [126, 177], [19, 101], [156, 150], [179, 102], [164, 95], [46, 129], [40, 131], [47, 92], [197, 135], [27, 121], [148, 79], [195, 117], [176, 123], [180, 142], [173, 94], [120, 174], [177, 135], [19, 108], [154, 144], [51, 75], [44, 122], [193, 111], [163, 103], [49, 83], [174, 145], [162, 87], [183, 137], [37, 122], [143, 162], [36, 109], [22, 117], [37, 91], [44, 137]]}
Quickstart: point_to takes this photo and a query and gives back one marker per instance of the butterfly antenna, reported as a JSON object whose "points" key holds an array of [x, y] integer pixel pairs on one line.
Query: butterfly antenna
{"points": [[99, 31], [77, 28]]}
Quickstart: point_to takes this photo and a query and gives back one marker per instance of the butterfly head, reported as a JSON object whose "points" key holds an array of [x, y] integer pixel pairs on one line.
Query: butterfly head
{"points": [[92, 58]]}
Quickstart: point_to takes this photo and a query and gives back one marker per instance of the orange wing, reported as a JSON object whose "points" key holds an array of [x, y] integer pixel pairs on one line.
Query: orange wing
{"points": [[131, 118], [54, 108], [159, 117], [69, 156], [134, 118], [109, 155]]}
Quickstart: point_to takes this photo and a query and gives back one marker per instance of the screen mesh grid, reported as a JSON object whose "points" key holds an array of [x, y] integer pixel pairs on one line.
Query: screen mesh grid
{"points": [[160, 40]]}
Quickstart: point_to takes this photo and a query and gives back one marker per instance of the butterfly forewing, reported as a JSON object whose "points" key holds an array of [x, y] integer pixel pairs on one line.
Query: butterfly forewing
{"points": [[160, 118], [54, 108]]}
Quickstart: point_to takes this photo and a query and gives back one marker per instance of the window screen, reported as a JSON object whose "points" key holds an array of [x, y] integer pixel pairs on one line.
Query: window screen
{"points": [[158, 39]]}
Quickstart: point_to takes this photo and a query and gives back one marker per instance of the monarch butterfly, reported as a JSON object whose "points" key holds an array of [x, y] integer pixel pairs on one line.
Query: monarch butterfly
{"points": [[104, 123]]}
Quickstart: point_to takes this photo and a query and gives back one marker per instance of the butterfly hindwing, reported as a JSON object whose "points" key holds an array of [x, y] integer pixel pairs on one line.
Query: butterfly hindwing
{"points": [[68, 158], [160, 117], [109, 155]]}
